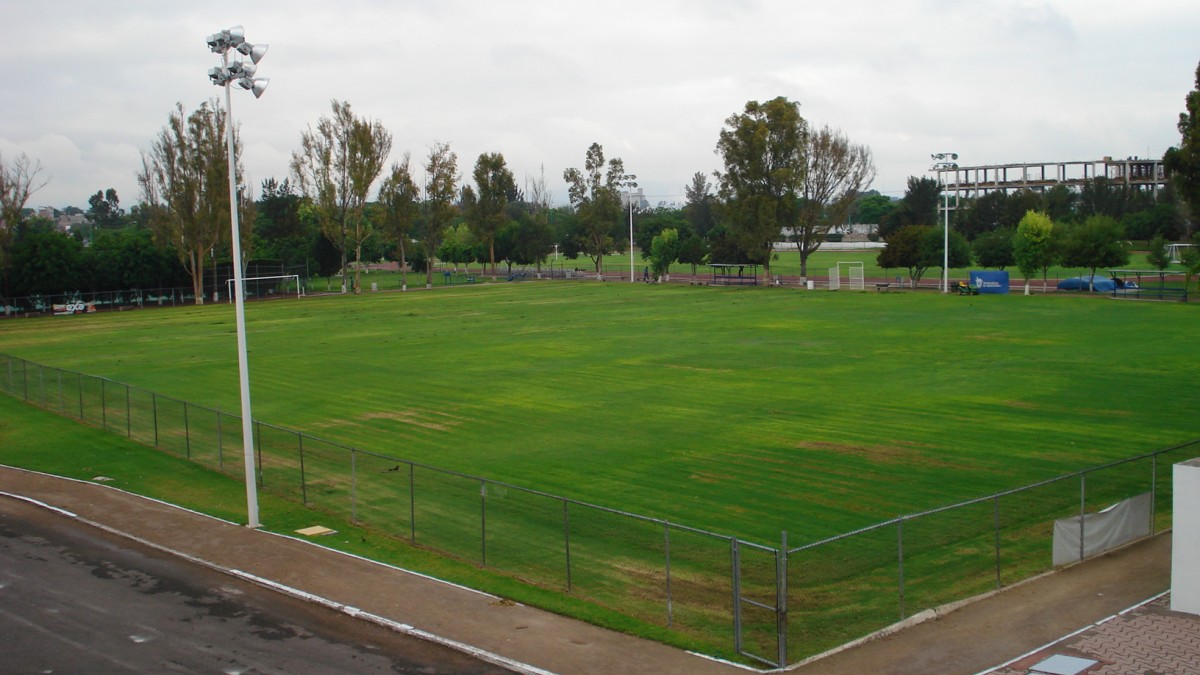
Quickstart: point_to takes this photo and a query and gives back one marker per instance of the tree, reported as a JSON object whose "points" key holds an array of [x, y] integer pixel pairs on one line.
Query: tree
{"points": [[995, 248], [663, 251], [693, 250], [700, 210], [441, 170], [1183, 161], [335, 167], [1159, 253], [45, 261], [1190, 259], [903, 249], [399, 196], [919, 206], [871, 208], [458, 246], [18, 181], [933, 245], [595, 194], [763, 150], [185, 183], [105, 210], [1096, 242], [1033, 246], [836, 172], [486, 208]]}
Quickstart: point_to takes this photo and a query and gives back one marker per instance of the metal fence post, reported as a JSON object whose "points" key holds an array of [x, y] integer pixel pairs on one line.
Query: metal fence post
{"points": [[79, 385], [996, 518], [25, 379], [154, 407], [128, 414], [900, 561], [736, 574], [1153, 491], [667, 556], [220, 443], [103, 405], [412, 502], [62, 404], [483, 522], [781, 597], [187, 432], [303, 480], [1082, 509], [353, 485], [259, 447], [567, 541]]}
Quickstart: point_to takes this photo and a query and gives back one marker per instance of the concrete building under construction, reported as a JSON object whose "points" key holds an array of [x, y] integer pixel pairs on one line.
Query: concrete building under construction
{"points": [[975, 181]]}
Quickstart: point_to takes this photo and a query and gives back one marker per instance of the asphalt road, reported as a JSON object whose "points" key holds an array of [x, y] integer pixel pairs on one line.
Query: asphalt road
{"points": [[74, 599]]}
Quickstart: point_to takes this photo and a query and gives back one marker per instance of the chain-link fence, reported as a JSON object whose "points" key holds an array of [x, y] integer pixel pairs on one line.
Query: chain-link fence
{"points": [[773, 604]]}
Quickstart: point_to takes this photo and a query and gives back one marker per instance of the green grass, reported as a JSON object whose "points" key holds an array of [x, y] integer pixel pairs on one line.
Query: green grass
{"points": [[741, 411]]}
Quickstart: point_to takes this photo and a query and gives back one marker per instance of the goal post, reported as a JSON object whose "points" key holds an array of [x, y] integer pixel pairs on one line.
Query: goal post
{"points": [[854, 276], [288, 281]]}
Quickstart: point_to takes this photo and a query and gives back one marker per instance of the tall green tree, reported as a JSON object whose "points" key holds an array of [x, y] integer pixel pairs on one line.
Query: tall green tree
{"points": [[763, 150], [919, 206], [904, 250], [1033, 246], [995, 248], [664, 249], [441, 190], [1158, 253], [104, 209], [595, 194], [335, 167], [485, 207], [185, 183], [1097, 242], [837, 171], [18, 181], [399, 195], [700, 207], [1183, 160], [45, 261], [933, 245]]}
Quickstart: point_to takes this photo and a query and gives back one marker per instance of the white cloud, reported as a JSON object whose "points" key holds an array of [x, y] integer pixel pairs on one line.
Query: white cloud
{"points": [[88, 85]]}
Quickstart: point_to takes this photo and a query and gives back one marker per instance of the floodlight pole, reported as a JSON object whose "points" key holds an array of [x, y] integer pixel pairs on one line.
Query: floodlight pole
{"points": [[222, 43], [944, 164], [630, 183]]}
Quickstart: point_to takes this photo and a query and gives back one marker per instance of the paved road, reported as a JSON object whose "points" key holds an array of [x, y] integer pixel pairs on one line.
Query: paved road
{"points": [[74, 599]]}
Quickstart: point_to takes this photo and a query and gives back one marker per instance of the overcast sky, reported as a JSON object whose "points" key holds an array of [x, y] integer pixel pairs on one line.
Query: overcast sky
{"points": [[87, 85]]}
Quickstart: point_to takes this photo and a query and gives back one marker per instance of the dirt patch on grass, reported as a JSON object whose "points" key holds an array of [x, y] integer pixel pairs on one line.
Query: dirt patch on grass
{"points": [[417, 418], [903, 453]]}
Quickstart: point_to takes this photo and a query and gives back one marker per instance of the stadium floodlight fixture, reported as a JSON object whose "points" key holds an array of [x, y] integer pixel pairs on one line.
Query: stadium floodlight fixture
{"points": [[945, 161], [241, 72]]}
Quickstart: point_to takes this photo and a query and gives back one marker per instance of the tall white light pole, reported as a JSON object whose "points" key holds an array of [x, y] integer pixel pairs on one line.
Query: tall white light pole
{"points": [[630, 183], [944, 161], [243, 74]]}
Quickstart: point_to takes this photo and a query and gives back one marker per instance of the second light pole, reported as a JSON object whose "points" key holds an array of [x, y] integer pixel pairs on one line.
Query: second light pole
{"points": [[944, 161]]}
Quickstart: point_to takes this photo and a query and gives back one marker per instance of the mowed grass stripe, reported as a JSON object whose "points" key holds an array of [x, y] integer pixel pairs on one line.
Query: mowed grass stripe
{"points": [[747, 411]]}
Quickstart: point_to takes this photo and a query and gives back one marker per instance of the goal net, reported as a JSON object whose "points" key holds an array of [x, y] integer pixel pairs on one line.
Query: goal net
{"points": [[283, 284], [854, 276]]}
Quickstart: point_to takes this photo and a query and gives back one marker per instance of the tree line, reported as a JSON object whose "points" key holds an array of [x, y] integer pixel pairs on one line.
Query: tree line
{"points": [[339, 208]]}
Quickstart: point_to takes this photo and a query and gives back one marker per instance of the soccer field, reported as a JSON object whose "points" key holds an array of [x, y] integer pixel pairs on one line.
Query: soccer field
{"points": [[742, 411]]}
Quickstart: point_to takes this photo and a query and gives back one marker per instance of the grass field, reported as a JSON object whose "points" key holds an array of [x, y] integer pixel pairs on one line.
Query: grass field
{"points": [[741, 411]]}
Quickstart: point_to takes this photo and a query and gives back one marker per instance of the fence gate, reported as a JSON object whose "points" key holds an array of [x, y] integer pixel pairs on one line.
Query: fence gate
{"points": [[759, 602]]}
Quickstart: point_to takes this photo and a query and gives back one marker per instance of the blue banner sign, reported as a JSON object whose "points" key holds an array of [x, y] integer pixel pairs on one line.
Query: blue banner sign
{"points": [[990, 282]]}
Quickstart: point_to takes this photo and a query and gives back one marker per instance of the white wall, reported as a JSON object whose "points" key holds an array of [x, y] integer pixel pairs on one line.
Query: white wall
{"points": [[1185, 539]]}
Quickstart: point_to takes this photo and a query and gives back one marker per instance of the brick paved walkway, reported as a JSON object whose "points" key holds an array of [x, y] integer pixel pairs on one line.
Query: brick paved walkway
{"points": [[1148, 639]]}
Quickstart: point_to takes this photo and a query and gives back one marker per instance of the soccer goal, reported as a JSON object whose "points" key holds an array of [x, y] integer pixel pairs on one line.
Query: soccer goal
{"points": [[854, 276], [283, 284]]}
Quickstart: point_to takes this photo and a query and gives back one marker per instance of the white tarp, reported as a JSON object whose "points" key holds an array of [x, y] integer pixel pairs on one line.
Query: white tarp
{"points": [[1103, 531]]}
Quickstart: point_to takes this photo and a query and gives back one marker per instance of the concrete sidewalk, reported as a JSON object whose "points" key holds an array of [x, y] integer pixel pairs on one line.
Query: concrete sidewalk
{"points": [[976, 637]]}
